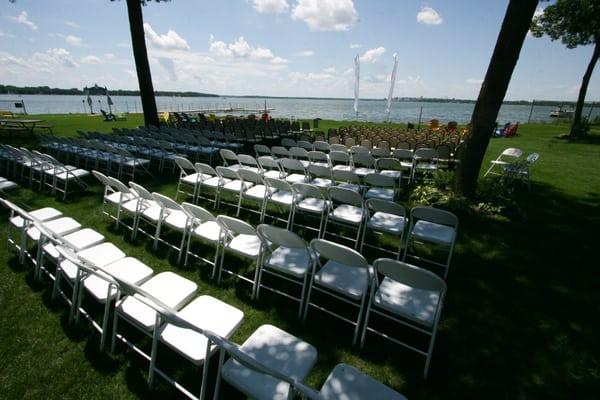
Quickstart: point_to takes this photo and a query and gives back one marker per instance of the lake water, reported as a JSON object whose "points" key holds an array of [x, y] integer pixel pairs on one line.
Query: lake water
{"points": [[369, 110]]}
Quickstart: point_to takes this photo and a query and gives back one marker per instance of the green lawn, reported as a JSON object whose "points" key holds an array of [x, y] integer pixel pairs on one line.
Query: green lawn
{"points": [[519, 320]]}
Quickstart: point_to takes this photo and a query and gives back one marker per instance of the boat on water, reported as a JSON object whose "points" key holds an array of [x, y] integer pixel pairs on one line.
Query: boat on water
{"points": [[559, 112]]}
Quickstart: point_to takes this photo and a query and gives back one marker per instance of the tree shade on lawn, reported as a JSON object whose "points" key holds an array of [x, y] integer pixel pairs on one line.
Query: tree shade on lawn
{"points": [[493, 89], [575, 23]]}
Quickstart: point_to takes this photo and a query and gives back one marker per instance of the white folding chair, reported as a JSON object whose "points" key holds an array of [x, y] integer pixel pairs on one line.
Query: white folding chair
{"points": [[319, 158], [172, 216], [203, 226], [435, 227], [345, 275], [384, 217], [281, 195], [340, 160], [347, 179], [294, 169], [425, 160], [144, 208], [508, 156], [286, 256], [254, 189], [380, 187], [267, 363], [321, 176], [346, 209], [209, 179], [241, 239], [409, 295], [231, 183], [230, 159], [309, 200], [188, 177]]}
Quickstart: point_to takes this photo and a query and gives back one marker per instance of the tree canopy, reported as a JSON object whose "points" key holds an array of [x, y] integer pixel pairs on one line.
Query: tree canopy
{"points": [[574, 22]]}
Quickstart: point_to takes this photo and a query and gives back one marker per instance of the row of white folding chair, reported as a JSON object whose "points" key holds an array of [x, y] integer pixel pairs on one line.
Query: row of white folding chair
{"points": [[46, 171]]}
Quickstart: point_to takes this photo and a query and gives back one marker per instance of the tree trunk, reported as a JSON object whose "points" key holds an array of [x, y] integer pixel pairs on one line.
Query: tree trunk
{"points": [[140, 54], [493, 89], [583, 90]]}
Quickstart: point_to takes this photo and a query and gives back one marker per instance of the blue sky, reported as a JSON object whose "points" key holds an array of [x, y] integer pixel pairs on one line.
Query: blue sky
{"points": [[281, 48]]}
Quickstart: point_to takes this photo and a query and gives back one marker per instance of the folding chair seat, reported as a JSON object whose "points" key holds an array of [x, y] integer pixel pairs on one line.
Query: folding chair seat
{"points": [[271, 168], [380, 186], [505, 158], [347, 382], [346, 208], [232, 183], [295, 170], [321, 176], [241, 239], [60, 226], [435, 227], [384, 217], [347, 179], [230, 159], [287, 256], [309, 200], [409, 295], [203, 226], [254, 189], [170, 289], [281, 195], [300, 154], [7, 185], [279, 351], [345, 276]]}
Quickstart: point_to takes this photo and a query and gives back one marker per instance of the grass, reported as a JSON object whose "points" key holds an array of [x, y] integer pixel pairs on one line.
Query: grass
{"points": [[518, 322]]}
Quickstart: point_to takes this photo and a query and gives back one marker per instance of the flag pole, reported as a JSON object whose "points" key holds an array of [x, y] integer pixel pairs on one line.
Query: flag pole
{"points": [[356, 82], [392, 84]]}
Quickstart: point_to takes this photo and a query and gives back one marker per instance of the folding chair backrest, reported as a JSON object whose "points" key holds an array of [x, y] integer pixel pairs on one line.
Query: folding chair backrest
{"points": [[248, 160], [298, 152], [338, 147], [228, 156], [402, 154], [205, 169], [237, 226], [280, 152], [512, 152], [166, 202], [261, 149], [278, 184], [388, 163], [321, 146], [425, 153], [250, 176], [337, 252], [435, 215], [320, 171], [363, 159], [101, 177], [317, 156], [287, 142], [359, 149], [380, 152], [141, 191], [345, 196], [410, 275], [305, 145], [386, 206], [346, 176], [306, 190], [228, 173], [444, 151], [339, 157], [184, 164], [280, 236], [117, 184], [268, 162], [379, 180], [289, 164], [196, 212]]}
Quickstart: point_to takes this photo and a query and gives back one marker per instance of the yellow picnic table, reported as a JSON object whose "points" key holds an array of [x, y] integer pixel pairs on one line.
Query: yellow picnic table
{"points": [[16, 124]]}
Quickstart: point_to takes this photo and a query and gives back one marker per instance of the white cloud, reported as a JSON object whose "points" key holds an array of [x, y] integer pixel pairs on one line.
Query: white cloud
{"points": [[8, 35], [355, 46], [169, 66], [74, 40], [326, 15], [474, 81], [170, 41], [58, 56], [329, 70], [91, 60], [372, 55], [305, 53], [72, 24], [242, 49], [429, 16], [109, 56], [24, 19], [270, 6]]}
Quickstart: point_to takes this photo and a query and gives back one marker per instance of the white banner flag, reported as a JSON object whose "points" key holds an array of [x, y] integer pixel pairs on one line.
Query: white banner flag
{"points": [[356, 80], [392, 84]]}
